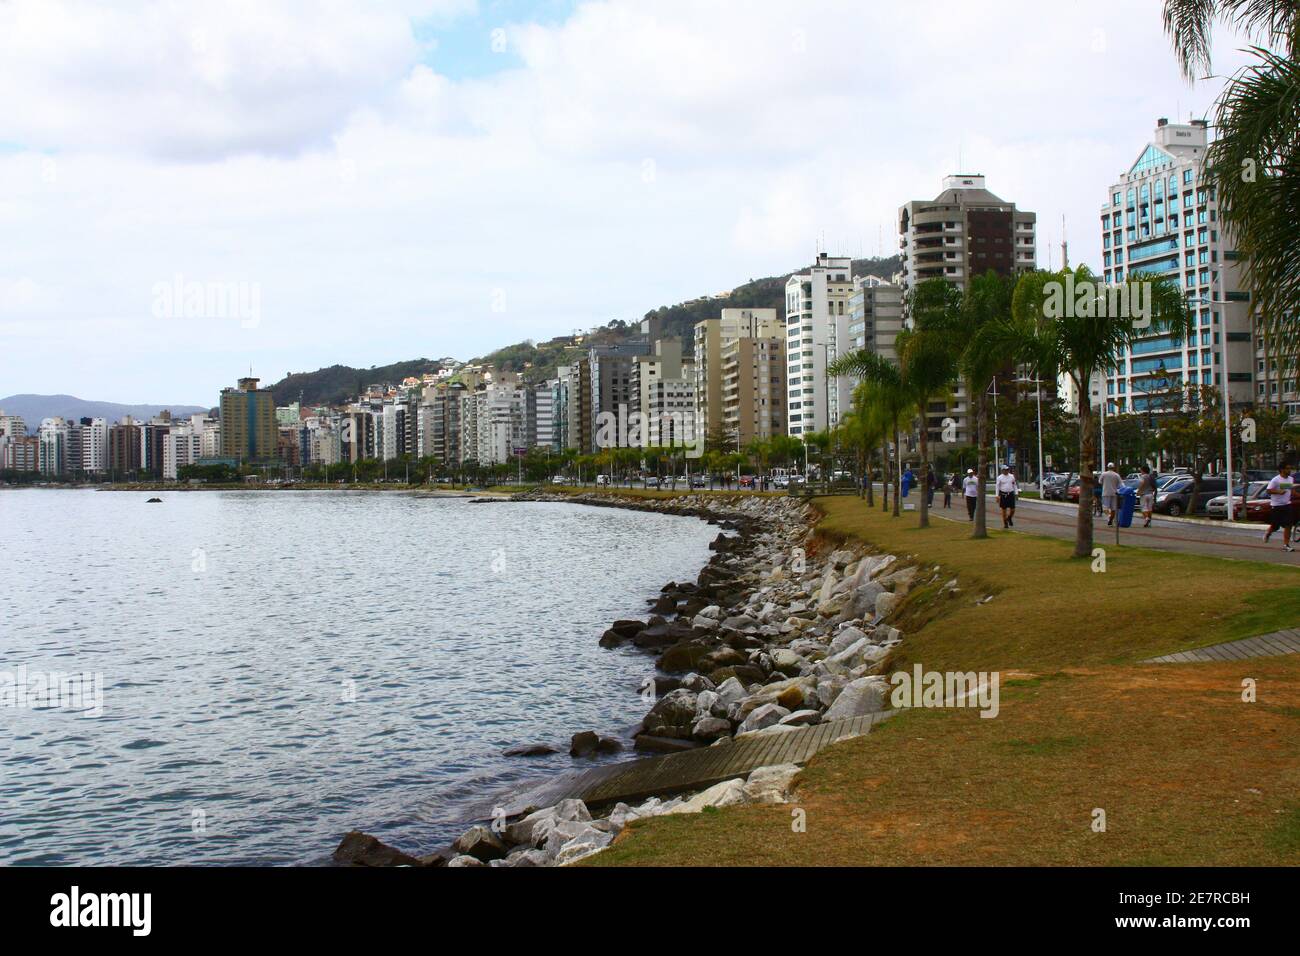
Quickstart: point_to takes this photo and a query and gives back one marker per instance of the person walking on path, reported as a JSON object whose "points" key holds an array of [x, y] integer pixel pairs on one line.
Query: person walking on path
{"points": [[948, 486], [1007, 490], [971, 489], [909, 480], [1146, 490], [1110, 482], [931, 486], [1281, 507]]}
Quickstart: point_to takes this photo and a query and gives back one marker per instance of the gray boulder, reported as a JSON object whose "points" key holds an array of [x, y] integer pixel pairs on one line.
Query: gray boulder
{"points": [[763, 716], [866, 695]]}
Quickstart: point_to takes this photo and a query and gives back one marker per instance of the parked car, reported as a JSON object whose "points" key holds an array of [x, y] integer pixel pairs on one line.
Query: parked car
{"points": [[747, 481], [651, 481], [699, 481], [1055, 486], [1261, 509], [557, 480], [1175, 498], [1218, 507], [781, 481], [602, 480]]}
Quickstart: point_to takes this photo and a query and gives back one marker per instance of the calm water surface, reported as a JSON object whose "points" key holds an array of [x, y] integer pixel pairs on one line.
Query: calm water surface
{"points": [[281, 667]]}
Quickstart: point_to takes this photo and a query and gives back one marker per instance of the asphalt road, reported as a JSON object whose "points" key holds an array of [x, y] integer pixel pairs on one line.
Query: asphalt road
{"points": [[1219, 539]]}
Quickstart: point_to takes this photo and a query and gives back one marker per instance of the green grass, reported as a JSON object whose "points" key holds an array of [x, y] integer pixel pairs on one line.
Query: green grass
{"points": [[1187, 772]]}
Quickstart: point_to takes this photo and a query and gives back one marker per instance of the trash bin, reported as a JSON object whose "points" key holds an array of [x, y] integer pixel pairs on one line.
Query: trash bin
{"points": [[1127, 505]]}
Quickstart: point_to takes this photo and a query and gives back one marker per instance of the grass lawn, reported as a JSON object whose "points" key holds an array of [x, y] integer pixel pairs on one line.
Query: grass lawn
{"points": [[1185, 770]]}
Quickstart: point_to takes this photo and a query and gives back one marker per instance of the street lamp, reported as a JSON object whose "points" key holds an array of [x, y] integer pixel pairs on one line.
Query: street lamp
{"points": [[1227, 403]]}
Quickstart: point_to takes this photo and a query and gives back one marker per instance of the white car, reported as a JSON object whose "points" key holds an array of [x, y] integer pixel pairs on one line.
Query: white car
{"points": [[557, 480]]}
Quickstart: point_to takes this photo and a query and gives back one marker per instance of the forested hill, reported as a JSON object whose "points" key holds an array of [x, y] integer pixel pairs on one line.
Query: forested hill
{"points": [[338, 383]]}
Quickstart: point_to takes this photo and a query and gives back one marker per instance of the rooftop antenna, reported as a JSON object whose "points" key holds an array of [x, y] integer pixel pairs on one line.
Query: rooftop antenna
{"points": [[1065, 246]]}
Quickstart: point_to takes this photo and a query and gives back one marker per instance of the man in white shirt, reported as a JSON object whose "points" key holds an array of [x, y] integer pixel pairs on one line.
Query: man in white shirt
{"points": [[1007, 490], [970, 487], [1281, 512], [1110, 482]]}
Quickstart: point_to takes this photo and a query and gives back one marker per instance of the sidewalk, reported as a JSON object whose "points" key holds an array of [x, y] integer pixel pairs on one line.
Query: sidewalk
{"points": [[1217, 539]]}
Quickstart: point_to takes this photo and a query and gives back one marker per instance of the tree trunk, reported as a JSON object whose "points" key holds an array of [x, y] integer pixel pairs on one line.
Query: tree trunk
{"points": [[981, 466], [1083, 520], [925, 471], [884, 476], [866, 470], [898, 469]]}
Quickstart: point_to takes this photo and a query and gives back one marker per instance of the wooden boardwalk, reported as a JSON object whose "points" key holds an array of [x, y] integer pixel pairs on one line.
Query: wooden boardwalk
{"points": [[1266, 645], [697, 769]]}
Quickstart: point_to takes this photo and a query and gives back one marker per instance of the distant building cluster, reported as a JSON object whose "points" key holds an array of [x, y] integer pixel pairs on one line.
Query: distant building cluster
{"points": [[748, 373]]}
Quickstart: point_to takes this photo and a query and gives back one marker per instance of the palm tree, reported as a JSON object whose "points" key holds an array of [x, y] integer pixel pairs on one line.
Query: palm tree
{"points": [[985, 307], [885, 389], [928, 357], [1254, 161], [1080, 337]]}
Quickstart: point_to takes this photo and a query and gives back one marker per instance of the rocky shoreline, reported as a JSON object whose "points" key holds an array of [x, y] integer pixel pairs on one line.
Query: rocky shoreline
{"points": [[772, 636]]}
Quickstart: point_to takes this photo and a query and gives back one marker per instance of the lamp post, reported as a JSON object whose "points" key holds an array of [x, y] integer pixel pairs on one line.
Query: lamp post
{"points": [[1227, 405]]}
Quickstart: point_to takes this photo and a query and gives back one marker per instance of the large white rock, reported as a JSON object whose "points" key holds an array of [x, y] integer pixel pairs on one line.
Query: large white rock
{"points": [[771, 784], [866, 695], [729, 793], [589, 842]]}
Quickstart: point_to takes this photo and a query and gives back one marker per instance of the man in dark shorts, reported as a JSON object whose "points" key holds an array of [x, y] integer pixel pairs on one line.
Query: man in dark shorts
{"points": [[1281, 507], [1007, 488]]}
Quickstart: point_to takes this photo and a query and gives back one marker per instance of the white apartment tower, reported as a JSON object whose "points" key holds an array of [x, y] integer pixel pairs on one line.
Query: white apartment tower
{"points": [[817, 332], [1161, 219]]}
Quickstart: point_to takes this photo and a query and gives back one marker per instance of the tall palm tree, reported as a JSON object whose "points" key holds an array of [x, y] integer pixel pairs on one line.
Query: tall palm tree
{"points": [[1254, 160], [985, 306], [928, 356], [1079, 336], [885, 389]]}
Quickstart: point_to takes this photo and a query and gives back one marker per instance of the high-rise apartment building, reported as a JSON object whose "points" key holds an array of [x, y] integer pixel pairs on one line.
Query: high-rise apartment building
{"points": [[1161, 219], [54, 436], [663, 396], [963, 232], [248, 427], [753, 388], [875, 316], [817, 332], [712, 336]]}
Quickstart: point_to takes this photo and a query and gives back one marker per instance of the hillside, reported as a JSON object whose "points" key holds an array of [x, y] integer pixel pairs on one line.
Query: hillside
{"points": [[538, 360], [338, 383], [33, 408]]}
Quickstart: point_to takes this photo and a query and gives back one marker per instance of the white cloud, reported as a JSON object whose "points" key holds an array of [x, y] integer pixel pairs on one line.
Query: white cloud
{"points": [[633, 155]]}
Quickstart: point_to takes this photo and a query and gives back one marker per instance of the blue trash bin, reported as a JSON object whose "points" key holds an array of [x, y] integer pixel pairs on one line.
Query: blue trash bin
{"points": [[1127, 505]]}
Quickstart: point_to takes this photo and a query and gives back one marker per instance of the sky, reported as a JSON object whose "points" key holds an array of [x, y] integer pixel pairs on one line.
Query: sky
{"points": [[188, 191]]}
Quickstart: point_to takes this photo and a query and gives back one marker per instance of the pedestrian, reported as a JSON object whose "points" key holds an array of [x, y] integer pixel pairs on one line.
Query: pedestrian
{"points": [[1110, 482], [948, 484], [1282, 509], [971, 489], [909, 480], [931, 486], [1007, 490], [1147, 494]]}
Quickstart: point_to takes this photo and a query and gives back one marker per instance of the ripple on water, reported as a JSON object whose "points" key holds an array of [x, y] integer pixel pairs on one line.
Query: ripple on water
{"points": [[297, 691]]}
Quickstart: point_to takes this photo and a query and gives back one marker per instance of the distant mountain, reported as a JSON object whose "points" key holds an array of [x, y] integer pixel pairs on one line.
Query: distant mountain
{"points": [[338, 383], [33, 408]]}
